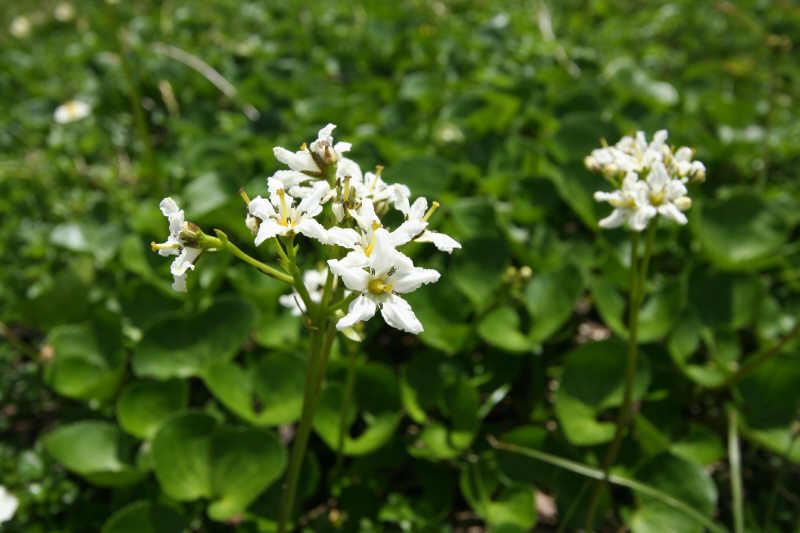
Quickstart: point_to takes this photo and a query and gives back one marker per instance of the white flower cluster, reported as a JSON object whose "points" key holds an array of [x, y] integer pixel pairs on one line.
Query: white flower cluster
{"points": [[650, 179], [177, 243], [320, 175]]}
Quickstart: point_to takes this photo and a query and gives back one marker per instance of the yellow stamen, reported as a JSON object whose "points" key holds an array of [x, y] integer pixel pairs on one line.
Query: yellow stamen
{"points": [[157, 246], [627, 202], [604, 142], [657, 199], [378, 170], [244, 196], [346, 193], [303, 147], [433, 208], [378, 286], [284, 210], [368, 249]]}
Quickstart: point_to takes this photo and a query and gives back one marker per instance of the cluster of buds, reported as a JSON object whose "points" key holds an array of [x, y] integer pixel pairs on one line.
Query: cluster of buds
{"points": [[650, 180], [325, 197]]}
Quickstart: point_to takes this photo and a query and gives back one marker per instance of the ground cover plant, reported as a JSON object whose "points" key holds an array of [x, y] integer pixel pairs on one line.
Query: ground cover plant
{"points": [[575, 224]]}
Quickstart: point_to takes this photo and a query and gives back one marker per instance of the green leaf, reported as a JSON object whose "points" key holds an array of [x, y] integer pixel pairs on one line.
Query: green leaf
{"points": [[477, 269], [443, 312], [593, 381], [145, 517], [500, 328], [89, 360], [96, 450], [460, 405], [683, 480], [659, 312], [740, 232], [244, 462], [144, 405], [426, 176], [610, 305], [550, 298], [375, 403], [268, 394], [181, 452], [187, 346]]}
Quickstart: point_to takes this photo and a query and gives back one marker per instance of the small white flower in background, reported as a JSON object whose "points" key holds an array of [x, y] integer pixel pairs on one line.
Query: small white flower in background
{"points": [[314, 280], [8, 505], [20, 27], [654, 181], [278, 215], [71, 111], [64, 12], [175, 245], [378, 279]]}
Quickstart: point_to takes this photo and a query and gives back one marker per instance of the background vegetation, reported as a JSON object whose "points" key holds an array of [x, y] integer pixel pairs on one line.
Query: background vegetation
{"points": [[120, 398]]}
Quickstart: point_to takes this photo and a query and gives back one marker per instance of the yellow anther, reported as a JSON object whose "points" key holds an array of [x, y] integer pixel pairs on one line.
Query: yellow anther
{"points": [[304, 147], [433, 208], [378, 286], [244, 196], [627, 202], [346, 193], [375, 225]]}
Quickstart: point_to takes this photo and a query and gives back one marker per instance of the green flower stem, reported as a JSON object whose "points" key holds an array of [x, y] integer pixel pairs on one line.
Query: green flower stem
{"points": [[757, 360], [299, 286], [735, 461], [596, 473], [323, 332], [344, 302], [222, 242], [347, 398], [636, 296]]}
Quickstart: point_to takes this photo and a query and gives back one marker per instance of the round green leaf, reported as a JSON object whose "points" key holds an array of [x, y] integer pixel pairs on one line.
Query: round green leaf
{"points": [[89, 360], [500, 328], [683, 480], [740, 232], [144, 405], [145, 517], [268, 394], [186, 346], [477, 269], [181, 455], [96, 450], [550, 298], [244, 462], [593, 381], [375, 403]]}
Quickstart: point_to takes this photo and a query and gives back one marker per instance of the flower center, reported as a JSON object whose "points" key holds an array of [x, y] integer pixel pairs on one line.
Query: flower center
{"points": [[657, 199], [627, 202], [285, 220], [378, 286]]}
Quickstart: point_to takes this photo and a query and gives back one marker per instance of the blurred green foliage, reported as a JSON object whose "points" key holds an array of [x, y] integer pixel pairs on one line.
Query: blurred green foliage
{"points": [[110, 379]]}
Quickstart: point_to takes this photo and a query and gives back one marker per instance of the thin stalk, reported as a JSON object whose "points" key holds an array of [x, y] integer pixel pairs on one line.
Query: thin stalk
{"points": [[347, 397], [596, 473], [735, 460], [299, 286], [301, 436], [630, 373], [226, 244], [344, 302], [757, 360]]}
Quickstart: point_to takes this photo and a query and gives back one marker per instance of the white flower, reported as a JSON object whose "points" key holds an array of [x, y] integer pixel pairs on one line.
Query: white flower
{"points": [[8, 505], [630, 203], [71, 111], [379, 277], [64, 12], [368, 222], [630, 154], [681, 164], [314, 280], [20, 27], [667, 195], [418, 213], [638, 201], [311, 160], [174, 245], [279, 216]]}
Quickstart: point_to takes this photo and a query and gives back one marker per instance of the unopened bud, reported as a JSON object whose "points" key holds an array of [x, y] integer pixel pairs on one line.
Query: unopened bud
{"points": [[683, 203], [190, 233], [525, 272]]}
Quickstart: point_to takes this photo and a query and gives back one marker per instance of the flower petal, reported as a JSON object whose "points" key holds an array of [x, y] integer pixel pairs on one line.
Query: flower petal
{"points": [[361, 309], [442, 242], [268, 229], [398, 313], [614, 220], [313, 229], [261, 208], [407, 280], [345, 237], [353, 274]]}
